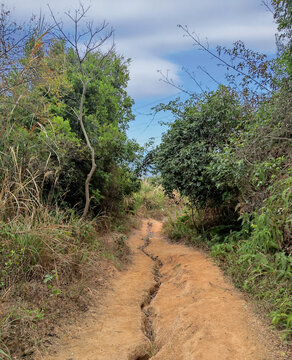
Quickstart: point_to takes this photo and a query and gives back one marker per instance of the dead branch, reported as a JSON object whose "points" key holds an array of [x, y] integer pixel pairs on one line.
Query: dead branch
{"points": [[197, 42]]}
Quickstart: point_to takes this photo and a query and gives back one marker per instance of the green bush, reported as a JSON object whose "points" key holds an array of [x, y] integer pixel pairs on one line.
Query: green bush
{"points": [[259, 256]]}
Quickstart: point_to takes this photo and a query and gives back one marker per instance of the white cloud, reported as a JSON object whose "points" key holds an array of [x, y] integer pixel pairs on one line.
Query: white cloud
{"points": [[146, 30], [149, 84]]}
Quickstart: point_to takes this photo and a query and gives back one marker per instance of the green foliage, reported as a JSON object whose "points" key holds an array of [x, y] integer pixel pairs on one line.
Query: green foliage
{"points": [[58, 133], [187, 148], [182, 229], [272, 223], [149, 201], [283, 15], [106, 117], [39, 125]]}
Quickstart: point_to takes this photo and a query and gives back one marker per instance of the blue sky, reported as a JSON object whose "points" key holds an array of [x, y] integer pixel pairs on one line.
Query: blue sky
{"points": [[146, 31]]}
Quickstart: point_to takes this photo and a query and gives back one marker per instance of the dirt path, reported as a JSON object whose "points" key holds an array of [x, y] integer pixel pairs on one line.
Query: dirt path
{"points": [[171, 304]]}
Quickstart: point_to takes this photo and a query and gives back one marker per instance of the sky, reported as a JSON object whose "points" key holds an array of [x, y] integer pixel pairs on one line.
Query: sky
{"points": [[146, 31]]}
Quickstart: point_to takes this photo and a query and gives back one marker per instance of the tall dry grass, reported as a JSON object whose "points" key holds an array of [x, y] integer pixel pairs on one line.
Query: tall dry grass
{"points": [[150, 201], [48, 257]]}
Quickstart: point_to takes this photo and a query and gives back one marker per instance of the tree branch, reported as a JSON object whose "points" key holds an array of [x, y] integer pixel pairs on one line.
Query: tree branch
{"points": [[225, 63]]}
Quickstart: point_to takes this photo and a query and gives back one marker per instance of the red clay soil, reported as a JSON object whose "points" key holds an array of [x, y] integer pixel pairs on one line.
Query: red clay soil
{"points": [[172, 303]]}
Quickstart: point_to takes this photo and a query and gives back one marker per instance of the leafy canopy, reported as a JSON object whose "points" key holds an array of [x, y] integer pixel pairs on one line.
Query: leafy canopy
{"points": [[203, 128]]}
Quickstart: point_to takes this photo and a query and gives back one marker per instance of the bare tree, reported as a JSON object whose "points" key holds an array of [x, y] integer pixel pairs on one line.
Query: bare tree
{"points": [[85, 39]]}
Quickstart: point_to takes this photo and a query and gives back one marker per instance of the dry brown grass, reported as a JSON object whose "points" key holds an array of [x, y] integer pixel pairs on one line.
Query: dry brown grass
{"points": [[52, 265], [151, 201]]}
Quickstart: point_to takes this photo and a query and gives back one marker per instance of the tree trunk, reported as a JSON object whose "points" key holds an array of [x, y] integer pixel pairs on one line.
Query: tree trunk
{"points": [[93, 164]]}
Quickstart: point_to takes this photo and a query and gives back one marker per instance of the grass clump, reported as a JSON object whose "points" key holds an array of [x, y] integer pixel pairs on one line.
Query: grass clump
{"points": [[151, 201]]}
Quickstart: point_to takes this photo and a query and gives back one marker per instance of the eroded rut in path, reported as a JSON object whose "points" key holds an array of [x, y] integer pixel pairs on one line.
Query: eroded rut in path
{"points": [[172, 303], [145, 307]]}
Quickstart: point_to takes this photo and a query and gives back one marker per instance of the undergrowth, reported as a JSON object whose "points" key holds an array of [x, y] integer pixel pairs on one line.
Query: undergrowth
{"points": [[151, 201], [258, 256], [49, 263]]}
